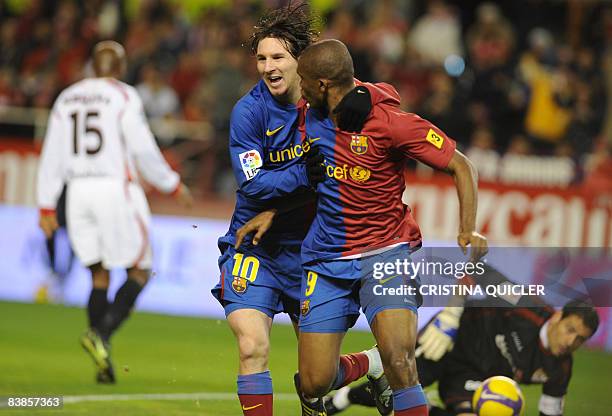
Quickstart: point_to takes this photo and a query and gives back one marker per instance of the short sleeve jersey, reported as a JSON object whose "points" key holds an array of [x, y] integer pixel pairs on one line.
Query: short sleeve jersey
{"points": [[97, 128], [360, 204]]}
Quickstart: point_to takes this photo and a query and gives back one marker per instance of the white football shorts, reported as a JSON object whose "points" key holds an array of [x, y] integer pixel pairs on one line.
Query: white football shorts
{"points": [[108, 221]]}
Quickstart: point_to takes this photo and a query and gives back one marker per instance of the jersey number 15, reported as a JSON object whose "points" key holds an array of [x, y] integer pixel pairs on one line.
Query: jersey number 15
{"points": [[89, 129]]}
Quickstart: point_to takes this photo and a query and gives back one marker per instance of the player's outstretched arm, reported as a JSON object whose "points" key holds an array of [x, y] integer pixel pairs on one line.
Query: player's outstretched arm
{"points": [[262, 222], [466, 180]]}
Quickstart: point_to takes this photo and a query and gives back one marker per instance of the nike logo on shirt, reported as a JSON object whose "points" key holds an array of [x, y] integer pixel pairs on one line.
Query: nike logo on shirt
{"points": [[273, 132], [383, 281], [251, 407]]}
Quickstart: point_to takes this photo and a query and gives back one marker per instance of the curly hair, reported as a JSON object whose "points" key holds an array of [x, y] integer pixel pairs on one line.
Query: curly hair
{"points": [[292, 25]]}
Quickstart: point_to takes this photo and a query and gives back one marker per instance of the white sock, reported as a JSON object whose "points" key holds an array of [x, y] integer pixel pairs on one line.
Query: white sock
{"points": [[375, 369], [340, 399]]}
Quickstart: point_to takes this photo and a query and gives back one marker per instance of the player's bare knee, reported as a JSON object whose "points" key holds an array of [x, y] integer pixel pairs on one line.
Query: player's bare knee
{"points": [[315, 384], [100, 281], [254, 349], [400, 364], [100, 276], [316, 378], [140, 276], [397, 363]]}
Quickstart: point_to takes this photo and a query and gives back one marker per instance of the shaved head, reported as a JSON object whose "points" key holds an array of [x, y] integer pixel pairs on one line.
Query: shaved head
{"points": [[328, 59], [109, 59]]}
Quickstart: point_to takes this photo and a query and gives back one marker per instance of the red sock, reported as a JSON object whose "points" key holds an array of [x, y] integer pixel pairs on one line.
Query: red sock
{"points": [[352, 367], [413, 411], [256, 404]]}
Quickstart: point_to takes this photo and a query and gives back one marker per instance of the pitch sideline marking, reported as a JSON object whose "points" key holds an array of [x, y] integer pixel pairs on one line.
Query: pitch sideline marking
{"points": [[165, 396]]}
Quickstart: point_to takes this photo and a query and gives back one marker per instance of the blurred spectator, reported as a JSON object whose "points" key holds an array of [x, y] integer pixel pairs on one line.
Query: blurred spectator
{"points": [[227, 83], [437, 34], [490, 39], [9, 93], [519, 145], [108, 19], [10, 47], [385, 31], [186, 76], [46, 91], [441, 108], [551, 94], [158, 97], [37, 48], [523, 78], [586, 121], [342, 26]]}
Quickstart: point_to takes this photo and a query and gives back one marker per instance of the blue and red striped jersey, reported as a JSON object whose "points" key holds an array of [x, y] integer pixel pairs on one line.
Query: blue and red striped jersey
{"points": [[360, 206]]}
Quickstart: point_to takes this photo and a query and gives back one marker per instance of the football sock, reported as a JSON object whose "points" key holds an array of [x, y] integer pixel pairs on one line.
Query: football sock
{"points": [[352, 367], [120, 308], [255, 394], [375, 367], [361, 395], [341, 399], [410, 401], [96, 307]]}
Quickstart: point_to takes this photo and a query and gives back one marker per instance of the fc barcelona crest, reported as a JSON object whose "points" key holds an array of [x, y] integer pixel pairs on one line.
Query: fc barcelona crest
{"points": [[359, 144], [305, 307], [239, 284]]}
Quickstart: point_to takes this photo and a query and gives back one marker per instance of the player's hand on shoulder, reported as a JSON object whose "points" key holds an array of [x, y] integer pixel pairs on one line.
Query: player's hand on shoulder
{"points": [[314, 166], [477, 241], [48, 223], [439, 335], [353, 110], [184, 197], [259, 225]]}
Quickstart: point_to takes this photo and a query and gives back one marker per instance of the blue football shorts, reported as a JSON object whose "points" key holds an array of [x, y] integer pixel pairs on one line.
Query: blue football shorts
{"points": [[265, 278], [333, 291]]}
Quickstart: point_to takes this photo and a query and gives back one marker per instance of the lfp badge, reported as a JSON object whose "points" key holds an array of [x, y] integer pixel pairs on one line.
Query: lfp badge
{"points": [[359, 144], [251, 162]]}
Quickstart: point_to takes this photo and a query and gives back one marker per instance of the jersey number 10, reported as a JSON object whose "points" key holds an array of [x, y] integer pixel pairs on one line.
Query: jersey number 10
{"points": [[246, 267], [88, 129]]}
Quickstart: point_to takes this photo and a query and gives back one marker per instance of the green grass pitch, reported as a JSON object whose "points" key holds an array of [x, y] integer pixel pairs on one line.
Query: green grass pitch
{"points": [[40, 356]]}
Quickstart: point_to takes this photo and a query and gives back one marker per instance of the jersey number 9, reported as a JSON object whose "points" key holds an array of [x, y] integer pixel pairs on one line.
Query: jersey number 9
{"points": [[311, 281]]}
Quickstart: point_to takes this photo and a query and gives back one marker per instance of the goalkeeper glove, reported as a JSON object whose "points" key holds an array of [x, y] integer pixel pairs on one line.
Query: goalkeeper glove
{"points": [[438, 337], [353, 110]]}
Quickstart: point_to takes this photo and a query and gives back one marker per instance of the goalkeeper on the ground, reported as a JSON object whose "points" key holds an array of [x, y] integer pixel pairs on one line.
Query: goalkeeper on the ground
{"points": [[467, 343]]}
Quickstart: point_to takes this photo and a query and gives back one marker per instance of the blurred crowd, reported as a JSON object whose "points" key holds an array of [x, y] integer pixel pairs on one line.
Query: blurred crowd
{"points": [[522, 86]]}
